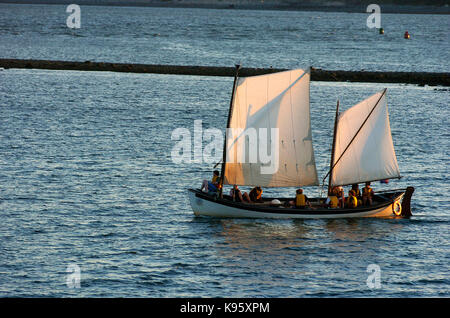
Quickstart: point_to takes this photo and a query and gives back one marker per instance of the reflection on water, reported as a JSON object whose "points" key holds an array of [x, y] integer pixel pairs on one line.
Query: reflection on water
{"points": [[272, 235], [266, 237], [298, 254], [360, 230]]}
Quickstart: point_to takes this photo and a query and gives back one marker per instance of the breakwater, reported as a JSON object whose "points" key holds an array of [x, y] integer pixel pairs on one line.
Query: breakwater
{"points": [[432, 79]]}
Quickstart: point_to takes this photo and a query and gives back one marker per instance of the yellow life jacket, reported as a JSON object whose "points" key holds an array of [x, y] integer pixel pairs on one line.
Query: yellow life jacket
{"points": [[334, 201], [300, 200], [216, 180], [352, 202]]}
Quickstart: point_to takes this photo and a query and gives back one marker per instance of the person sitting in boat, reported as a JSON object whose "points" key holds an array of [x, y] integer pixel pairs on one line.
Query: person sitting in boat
{"points": [[358, 196], [340, 195], [212, 186], [352, 201], [355, 188], [235, 193], [332, 200], [301, 200], [256, 194], [367, 194]]}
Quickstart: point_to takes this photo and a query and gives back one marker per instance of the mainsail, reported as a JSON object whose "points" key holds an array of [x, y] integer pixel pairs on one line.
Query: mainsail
{"points": [[364, 150], [274, 110]]}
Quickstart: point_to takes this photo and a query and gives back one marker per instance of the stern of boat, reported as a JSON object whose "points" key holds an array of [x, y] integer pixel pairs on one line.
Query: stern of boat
{"points": [[400, 205], [406, 202]]}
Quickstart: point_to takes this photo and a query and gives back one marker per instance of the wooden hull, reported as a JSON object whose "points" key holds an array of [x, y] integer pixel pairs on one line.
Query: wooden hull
{"points": [[205, 205]]}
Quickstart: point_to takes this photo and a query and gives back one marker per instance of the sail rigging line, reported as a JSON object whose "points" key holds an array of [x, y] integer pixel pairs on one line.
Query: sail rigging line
{"points": [[230, 111], [215, 166], [356, 134]]}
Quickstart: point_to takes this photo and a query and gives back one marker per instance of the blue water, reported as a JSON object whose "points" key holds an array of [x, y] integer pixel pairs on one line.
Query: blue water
{"points": [[284, 39], [86, 175]]}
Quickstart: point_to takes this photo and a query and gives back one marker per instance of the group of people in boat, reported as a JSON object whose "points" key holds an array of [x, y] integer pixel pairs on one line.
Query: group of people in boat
{"points": [[212, 188], [335, 200], [355, 198], [254, 196]]}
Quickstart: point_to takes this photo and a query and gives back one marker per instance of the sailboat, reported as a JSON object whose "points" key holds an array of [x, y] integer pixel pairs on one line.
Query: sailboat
{"points": [[278, 105]]}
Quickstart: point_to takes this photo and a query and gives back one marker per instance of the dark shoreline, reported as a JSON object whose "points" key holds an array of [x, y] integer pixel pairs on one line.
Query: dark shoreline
{"points": [[431, 79], [270, 5]]}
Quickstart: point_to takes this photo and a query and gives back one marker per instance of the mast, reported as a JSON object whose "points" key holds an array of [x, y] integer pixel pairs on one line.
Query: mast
{"points": [[333, 147], [230, 111]]}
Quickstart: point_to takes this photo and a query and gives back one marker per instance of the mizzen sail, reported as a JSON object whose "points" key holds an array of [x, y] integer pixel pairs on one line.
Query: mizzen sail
{"points": [[269, 140], [364, 150]]}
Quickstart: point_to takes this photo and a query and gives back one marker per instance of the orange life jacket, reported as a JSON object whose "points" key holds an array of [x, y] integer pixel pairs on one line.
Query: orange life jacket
{"points": [[367, 192], [256, 194]]}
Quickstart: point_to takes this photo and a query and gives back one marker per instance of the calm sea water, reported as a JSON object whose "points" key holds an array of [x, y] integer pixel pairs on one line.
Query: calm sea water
{"points": [[86, 175], [223, 37]]}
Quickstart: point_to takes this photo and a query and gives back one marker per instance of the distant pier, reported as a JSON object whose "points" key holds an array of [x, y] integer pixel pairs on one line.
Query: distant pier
{"points": [[423, 78]]}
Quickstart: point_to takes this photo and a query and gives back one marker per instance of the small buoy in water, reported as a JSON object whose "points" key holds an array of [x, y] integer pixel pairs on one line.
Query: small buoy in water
{"points": [[406, 36], [381, 31]]}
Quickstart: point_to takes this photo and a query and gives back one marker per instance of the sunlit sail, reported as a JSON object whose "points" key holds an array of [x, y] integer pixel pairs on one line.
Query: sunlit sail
{"points": [[263, 103], [364, 150]]}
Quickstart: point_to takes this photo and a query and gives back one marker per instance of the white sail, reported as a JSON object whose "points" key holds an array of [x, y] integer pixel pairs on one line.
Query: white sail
{"points": [[371, 154], [274, 109]]}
